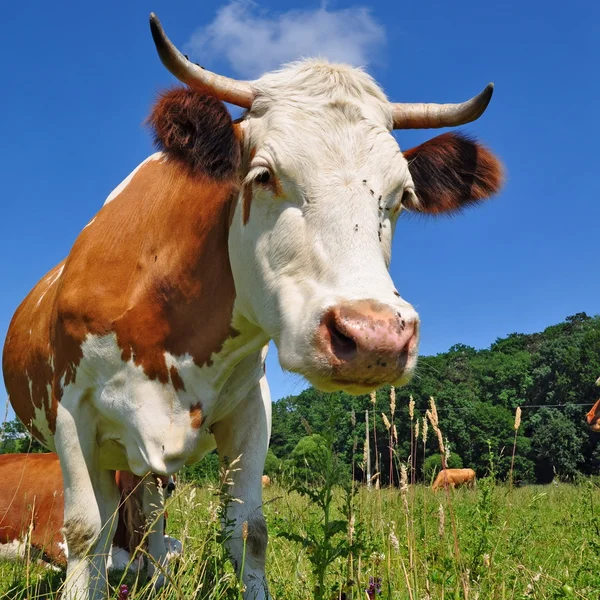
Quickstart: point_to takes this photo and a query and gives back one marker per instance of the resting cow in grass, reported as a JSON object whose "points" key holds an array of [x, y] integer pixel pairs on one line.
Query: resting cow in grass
{"points": [[32, 506], [144, 348], [454, 478]]}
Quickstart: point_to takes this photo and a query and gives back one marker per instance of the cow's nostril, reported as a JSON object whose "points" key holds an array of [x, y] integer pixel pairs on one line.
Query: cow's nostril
{"points": [[171, 487], [342, 346]]}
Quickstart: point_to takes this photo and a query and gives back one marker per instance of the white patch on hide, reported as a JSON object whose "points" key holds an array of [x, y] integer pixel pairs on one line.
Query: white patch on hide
{"points": [[50, 281], [127, 180]]}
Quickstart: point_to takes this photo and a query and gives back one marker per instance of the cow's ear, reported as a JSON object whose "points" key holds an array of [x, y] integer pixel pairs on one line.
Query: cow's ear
{"points": [[451, 172], [196, 130]]}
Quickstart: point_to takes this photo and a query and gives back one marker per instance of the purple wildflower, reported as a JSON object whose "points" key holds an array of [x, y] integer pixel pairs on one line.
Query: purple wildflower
{"points": [[123, 592], [374, 587]]}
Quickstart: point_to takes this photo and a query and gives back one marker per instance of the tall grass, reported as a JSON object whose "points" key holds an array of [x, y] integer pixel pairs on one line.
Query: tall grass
{"points": [[329, 539]]}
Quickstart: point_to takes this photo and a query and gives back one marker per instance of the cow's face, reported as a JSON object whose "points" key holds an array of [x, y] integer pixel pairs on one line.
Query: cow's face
{"points": [[593, 417], [324, 182], [323, 187]]}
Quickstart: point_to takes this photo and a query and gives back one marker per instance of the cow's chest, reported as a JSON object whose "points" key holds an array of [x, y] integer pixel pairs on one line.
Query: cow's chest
{"points": [[142, 424]]}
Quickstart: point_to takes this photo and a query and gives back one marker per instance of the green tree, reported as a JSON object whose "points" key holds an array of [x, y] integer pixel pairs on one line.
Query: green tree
{"points": [[433, 465], [557, 443], [14, 438]]}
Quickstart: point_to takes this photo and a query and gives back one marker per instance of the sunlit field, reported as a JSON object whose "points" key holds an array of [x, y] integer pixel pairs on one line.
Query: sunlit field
{"points": [[490, 542]]}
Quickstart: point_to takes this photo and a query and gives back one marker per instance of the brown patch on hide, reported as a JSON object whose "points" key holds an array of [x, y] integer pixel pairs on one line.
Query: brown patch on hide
{"points": [[31, 496], [176, 380], [196, 415]]}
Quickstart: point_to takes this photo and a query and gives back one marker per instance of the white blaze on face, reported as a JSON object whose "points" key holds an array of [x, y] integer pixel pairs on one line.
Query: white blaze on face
{"points": [[321, 235]]}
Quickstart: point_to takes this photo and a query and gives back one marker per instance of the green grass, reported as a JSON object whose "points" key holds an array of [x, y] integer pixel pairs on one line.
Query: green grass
{"points": [[540, 542]]}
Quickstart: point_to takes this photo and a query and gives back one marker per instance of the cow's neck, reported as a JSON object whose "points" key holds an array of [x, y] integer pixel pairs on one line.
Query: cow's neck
{"points": [[170, 295]]}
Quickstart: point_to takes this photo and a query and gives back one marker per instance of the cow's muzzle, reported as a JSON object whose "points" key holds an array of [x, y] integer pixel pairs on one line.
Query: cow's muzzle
{"points": [[367, 343]]}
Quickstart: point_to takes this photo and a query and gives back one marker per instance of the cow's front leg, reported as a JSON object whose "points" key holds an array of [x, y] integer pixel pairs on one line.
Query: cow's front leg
{"points": [[91, 501], [246, 433]]}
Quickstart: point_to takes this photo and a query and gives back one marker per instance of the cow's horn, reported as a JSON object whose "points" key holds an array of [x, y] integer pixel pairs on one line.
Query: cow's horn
{"points": [[240, 93], [426, 116]]}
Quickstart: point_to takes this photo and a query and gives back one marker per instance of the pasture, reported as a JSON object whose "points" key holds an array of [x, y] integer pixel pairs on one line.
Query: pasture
{"points": [[537, 542]]}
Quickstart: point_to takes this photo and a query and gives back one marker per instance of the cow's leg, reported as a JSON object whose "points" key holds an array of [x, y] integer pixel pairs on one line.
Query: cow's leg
{"points": [[246, 432], [153, 506], [91, 500]]}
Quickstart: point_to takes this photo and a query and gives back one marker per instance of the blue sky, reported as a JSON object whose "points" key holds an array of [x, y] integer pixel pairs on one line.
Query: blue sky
{"points": [[78, 80]]}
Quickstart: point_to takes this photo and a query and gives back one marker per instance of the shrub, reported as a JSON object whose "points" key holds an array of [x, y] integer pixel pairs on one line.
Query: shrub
{"points": [[433, 464]]}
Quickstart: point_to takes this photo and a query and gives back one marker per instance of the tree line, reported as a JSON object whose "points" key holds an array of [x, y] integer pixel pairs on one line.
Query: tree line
{"points": [[551, 375]]}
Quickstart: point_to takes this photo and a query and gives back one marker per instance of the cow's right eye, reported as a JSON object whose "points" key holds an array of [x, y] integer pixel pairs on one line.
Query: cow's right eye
{"points": [[263, 177]]}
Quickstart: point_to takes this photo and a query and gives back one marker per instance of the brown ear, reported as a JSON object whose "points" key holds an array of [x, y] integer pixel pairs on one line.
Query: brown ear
{"points": [[196, 130], [451, 172]]}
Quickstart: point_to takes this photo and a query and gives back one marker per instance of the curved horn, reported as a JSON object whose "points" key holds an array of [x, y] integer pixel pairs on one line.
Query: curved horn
{"points": [[240, 93], [426, 116]]}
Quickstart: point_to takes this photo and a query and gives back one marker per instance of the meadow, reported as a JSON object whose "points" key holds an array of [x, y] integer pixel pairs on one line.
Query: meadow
{"points": [[494, 541]]}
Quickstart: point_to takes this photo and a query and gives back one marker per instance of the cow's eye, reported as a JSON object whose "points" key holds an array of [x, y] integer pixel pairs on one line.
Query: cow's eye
{"points": [[263, 177]]}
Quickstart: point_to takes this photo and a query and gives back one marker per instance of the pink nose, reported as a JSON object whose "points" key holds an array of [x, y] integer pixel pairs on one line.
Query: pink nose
{"points": [[367, 342]]}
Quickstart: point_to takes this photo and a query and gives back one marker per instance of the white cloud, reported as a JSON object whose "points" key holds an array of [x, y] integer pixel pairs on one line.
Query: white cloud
{"points": [[255, 42]]}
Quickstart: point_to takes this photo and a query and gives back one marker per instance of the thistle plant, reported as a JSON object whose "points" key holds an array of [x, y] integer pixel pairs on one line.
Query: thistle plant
{"points": [[329, 533]]}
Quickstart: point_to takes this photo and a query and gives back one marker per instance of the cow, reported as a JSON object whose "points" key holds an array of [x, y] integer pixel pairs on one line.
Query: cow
{"points": [[454, 478], [144, 349], [266, 481], [31, 514], [593, 416]]}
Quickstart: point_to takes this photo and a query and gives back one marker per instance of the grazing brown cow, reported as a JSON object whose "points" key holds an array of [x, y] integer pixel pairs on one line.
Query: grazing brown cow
{"points": [[454, 478], [32, 506], [144, 349], [266, 481]]}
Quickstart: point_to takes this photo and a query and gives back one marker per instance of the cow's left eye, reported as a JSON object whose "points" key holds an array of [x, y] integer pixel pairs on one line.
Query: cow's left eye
{"points": [[263, 177]]}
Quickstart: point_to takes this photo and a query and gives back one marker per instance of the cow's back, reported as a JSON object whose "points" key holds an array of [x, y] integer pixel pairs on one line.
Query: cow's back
{"points": [[27, 359], [31, 495]]}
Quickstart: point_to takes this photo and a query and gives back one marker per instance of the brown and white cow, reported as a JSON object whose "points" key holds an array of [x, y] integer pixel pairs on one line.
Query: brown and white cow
{"points": [[144, 348], [454, 478], [32, 505]]}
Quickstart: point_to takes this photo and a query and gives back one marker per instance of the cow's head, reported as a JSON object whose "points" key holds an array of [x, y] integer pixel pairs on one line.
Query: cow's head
{"points": [[322, 183]]}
